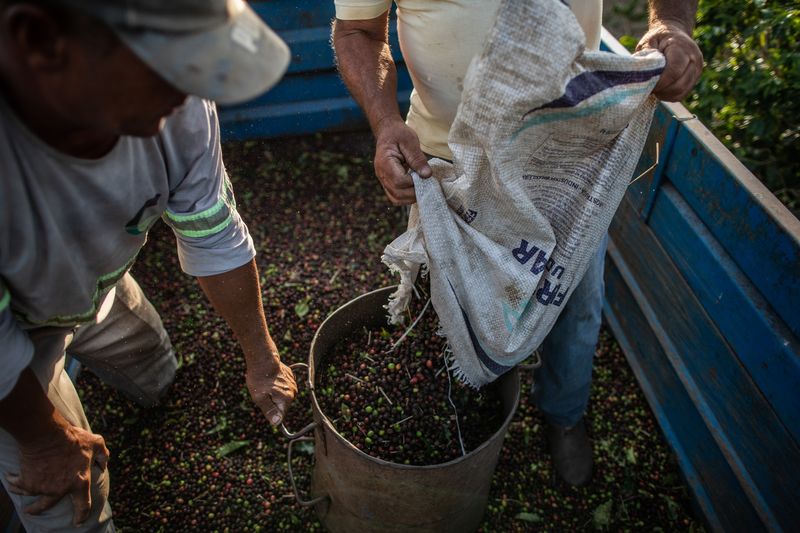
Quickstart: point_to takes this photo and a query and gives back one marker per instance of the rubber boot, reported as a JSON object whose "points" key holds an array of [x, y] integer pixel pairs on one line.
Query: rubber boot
{"points": [[571, 453]]}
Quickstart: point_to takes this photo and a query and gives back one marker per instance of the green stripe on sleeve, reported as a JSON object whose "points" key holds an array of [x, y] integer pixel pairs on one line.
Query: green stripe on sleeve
{"points": [[207, 222], [5, 298], [104, 284]]}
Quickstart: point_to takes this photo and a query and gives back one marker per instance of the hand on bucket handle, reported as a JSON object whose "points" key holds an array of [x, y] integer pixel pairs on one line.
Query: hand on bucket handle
{"points": [[286, 433], [299, 437]]}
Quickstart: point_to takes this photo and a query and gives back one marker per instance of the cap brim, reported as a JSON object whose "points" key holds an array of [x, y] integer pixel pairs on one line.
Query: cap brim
{"points": [[230, 63]]}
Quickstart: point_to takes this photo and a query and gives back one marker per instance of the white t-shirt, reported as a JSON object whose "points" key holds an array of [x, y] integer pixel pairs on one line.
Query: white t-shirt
{"points": [[72, 227], [438, 39]]}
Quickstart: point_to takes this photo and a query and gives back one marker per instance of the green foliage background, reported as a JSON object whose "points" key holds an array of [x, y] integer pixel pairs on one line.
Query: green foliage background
{"points": [[749, 93]]}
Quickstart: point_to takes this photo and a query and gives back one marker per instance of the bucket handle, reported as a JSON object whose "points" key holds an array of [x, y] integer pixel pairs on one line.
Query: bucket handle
{"points": [[301, 501], [286, 433]]}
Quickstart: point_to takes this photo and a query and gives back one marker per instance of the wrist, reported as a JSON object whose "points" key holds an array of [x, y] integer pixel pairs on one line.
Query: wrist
{"points": [[263, 362], [28, 415], [672, 24], [387, 122], [44, 435]]}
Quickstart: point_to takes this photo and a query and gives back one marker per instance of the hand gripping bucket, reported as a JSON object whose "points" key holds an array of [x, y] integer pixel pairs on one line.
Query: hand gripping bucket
{"points": [[354, 492]]}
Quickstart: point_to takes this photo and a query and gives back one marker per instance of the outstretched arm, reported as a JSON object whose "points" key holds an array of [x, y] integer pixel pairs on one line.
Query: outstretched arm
{"points": [[367, 68], [236, 296], [670, 32]]}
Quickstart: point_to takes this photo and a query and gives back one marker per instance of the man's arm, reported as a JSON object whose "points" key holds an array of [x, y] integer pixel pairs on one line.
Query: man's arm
{"points": [[367, 68], [55, 457], [670, 31], [236, 296]]}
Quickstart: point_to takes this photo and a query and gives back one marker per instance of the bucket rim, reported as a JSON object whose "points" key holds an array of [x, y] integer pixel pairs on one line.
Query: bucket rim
{"points": [[500, 433]]}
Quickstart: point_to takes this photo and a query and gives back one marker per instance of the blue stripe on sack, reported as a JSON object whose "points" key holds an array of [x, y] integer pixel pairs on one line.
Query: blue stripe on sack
{"points": [[484, 358], [595, 108], [588, 84], [488, 362]]}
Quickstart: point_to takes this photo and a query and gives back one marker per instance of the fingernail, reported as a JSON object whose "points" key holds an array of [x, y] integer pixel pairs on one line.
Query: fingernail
{"points": [[276, 419]]}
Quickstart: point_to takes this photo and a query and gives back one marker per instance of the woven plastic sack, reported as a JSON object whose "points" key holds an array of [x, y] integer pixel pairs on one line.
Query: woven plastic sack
{"points": [[544, 144]]}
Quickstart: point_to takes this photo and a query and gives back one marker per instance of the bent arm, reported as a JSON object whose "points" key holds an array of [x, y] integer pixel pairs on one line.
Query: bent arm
{"points": [[367, 68], [55, 457], [27, 414], [682, 12]]}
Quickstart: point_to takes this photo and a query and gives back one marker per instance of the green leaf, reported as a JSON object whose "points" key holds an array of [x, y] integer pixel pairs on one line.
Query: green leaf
{"points": [[301, 309], [231, 447], [629, 42], [630, 455], [602, 515], [222, 424], [345, 410], [306, 447], [529, 517], [672, 507]]}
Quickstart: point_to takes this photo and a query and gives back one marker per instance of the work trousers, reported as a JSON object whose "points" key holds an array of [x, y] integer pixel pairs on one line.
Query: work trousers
{"points": [[128, 349], [562, 383]]}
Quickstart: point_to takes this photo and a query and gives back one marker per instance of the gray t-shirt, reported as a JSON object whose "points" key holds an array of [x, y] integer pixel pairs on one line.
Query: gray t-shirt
{"points": [[72, 227]]}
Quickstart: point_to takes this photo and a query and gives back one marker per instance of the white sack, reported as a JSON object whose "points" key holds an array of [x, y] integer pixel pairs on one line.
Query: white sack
{"points": [[544, 144]]}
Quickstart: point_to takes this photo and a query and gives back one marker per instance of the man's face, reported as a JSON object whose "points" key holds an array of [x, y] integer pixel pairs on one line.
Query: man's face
{"points": [[112, 91]]}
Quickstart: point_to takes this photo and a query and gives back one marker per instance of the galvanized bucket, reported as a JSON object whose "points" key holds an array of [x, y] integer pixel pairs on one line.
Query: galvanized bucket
{"points": [[354, 492]]}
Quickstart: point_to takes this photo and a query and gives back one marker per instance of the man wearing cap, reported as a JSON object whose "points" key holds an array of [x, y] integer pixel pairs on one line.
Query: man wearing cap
{"points": [[438, 39], [98, 139]]}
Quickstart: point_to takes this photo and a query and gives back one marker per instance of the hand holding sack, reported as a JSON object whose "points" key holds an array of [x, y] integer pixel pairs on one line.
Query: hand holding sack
{"points": [[545, 142]]}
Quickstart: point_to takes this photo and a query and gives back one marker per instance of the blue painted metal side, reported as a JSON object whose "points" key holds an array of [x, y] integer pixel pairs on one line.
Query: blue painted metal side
{"points": [[311, 97], [703, 294], [291, 15]]}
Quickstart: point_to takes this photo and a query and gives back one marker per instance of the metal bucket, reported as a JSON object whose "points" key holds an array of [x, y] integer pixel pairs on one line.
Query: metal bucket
{"points": [[354, 492]]}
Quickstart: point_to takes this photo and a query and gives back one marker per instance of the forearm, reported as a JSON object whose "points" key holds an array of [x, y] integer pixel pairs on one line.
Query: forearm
{"points": [[236, 296], [55, 457], [682, 12], [367, 68], [27, 414]]}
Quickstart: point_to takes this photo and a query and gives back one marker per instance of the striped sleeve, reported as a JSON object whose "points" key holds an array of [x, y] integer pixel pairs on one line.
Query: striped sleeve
{"points": [[5, 297], [201, 210], [207, 221], [361, 9]]}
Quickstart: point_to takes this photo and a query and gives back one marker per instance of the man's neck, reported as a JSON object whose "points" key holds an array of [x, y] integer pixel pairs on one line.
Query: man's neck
{"points": [[51, 127]]}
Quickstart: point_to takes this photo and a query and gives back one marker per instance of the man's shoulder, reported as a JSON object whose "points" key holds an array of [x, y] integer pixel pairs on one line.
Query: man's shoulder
{"points": [[196, 115], [191, 130]]}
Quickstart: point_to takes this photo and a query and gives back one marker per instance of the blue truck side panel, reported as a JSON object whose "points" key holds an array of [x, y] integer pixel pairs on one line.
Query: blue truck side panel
{"points": [[321, 101], [763, 342], [703, 463], [741, 423], [765, 249], [703, 288]]}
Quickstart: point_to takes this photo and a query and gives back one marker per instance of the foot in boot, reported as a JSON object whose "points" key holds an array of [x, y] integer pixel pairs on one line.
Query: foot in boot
{"points": [[571, 452]]}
